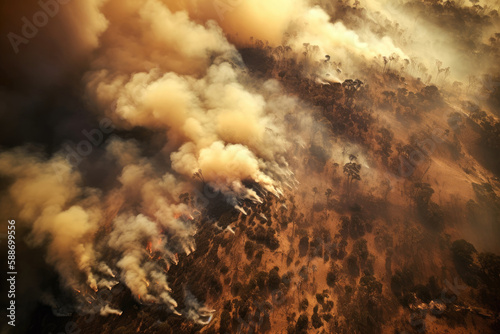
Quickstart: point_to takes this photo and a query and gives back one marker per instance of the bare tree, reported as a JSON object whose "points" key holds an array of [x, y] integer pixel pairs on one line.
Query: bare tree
{"points": [[328, 194], [351, 170], [199, 175], [315, 192]]}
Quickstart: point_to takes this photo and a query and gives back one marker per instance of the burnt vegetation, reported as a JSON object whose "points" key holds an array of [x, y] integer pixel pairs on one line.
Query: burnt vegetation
{"points": [[347, 262]]}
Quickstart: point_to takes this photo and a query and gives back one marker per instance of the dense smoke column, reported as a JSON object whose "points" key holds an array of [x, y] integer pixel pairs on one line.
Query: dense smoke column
{"points": [[136, 104]]}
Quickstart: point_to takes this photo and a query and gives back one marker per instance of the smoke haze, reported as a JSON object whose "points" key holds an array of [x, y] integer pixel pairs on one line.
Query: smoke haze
{"points": [[187, 114]]}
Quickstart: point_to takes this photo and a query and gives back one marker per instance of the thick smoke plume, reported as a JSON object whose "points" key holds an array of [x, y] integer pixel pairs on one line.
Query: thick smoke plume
{"points": [[169, 74], [172, 67]]}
